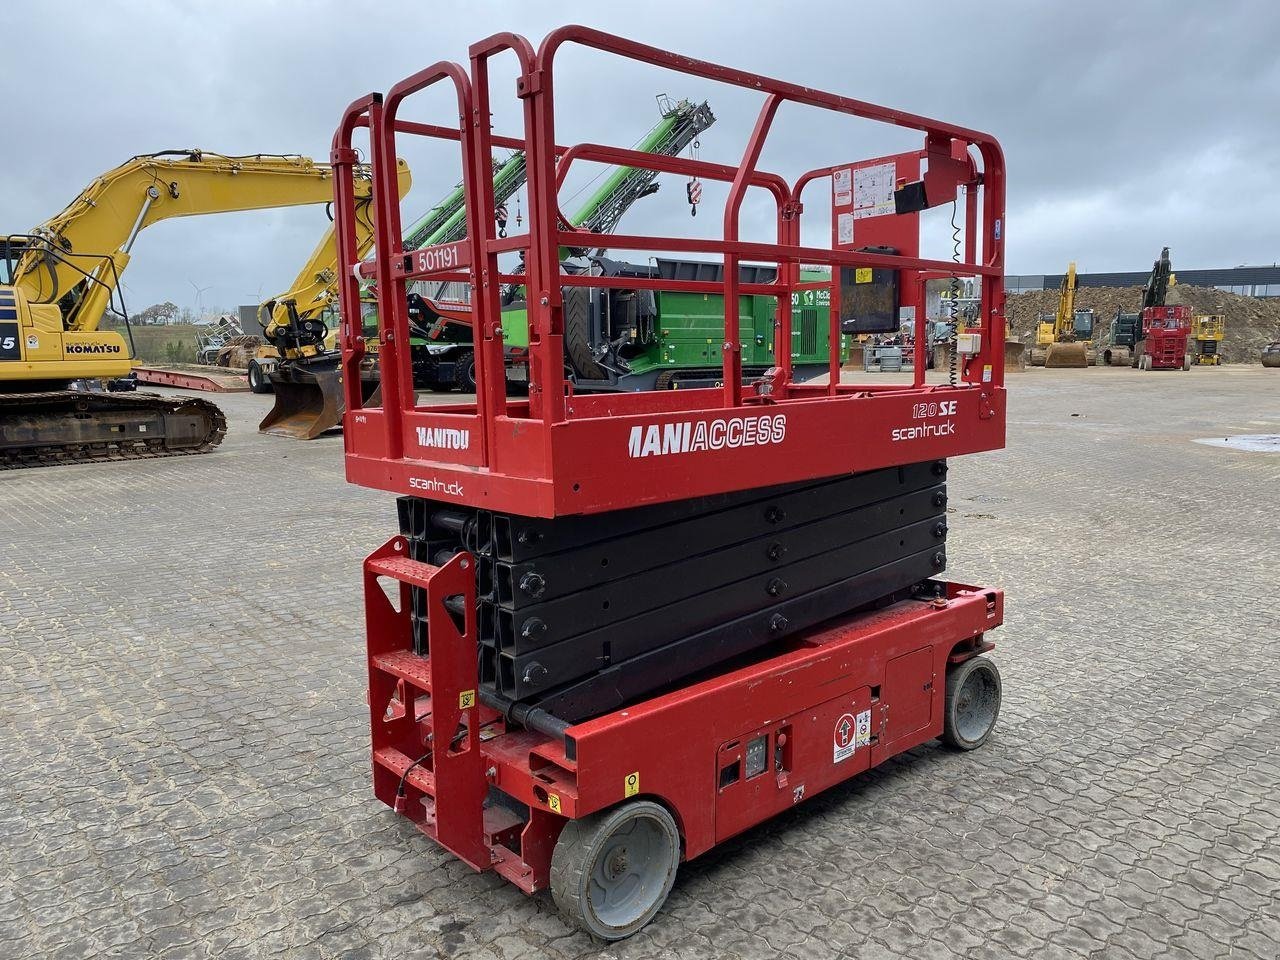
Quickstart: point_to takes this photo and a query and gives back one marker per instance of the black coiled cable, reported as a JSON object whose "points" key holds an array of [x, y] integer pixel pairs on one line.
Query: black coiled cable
{"points": [[955, 294]]}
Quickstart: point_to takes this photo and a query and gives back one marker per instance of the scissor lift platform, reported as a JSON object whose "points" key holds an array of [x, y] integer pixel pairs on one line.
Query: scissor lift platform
{"points": [[602, 810], [557, 452]]}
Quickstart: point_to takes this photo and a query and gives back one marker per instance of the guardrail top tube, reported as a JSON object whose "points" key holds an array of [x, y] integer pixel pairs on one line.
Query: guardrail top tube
{"points": [[993, 162], [350, 329], [395, 364]]}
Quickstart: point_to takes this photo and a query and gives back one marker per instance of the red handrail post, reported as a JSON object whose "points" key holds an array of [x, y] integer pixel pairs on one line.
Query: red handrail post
{"points": [[344, 159], [732, 359]]}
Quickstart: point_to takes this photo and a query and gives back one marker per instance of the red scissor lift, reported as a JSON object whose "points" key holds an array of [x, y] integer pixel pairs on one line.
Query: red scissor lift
{"points": [[1165, 332], [601, 810]]}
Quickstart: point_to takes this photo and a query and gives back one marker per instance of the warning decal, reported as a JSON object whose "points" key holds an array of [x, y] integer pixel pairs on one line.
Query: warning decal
{"points": [[873, 191], [841, 184], [851, 733], [863, 736], [845, 742], [844, 228]]}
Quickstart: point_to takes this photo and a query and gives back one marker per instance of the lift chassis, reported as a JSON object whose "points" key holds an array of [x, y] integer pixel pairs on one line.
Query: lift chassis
{"points": [[720, 755], [820, 637]]}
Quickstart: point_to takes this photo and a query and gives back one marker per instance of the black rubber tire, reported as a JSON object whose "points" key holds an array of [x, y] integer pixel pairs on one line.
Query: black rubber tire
{"points": [[976, 677], [259, 379], [586, 851], [464, 371], [577, 334]]}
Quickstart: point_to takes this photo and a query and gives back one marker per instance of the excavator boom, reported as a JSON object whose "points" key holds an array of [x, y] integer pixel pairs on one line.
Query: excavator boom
{"points": [[62, 278], [315, 287], [96, 231], [1156, 289]]}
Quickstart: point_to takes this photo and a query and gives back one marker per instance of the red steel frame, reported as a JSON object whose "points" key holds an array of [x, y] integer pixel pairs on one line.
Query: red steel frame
{"points": [[437, 750], [558, 453]]}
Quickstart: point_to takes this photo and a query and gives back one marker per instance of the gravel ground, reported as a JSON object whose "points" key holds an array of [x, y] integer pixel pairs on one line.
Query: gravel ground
{"points": [[186, 770]]}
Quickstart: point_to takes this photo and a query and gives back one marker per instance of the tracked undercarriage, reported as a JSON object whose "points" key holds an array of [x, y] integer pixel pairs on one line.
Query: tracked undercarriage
{"points": [[73, 426]]}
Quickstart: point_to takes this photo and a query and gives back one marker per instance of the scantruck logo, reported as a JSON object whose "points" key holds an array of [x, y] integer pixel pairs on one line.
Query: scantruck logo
{"points": [[692, 436], [927, 412]]}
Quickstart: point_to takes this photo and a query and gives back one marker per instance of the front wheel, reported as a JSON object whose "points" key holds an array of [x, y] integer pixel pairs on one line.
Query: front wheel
{"points": [[259, 380], [611, 872], [972, 704]]}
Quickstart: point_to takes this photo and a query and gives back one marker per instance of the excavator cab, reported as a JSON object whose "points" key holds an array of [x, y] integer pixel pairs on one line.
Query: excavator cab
{"points": [[1082, 324]]}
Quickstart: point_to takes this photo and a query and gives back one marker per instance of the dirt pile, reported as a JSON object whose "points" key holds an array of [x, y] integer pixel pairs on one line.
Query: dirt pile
{"points": [[1251, 323]]}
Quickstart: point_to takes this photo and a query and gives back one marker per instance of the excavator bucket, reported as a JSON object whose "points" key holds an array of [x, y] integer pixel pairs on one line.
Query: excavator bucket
{"points": [[308, 398], [1015, 356], [1067, 355]]}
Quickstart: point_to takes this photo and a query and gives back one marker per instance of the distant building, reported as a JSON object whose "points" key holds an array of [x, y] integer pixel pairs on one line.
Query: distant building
{"points": [[1246, 281], [249, 322]]}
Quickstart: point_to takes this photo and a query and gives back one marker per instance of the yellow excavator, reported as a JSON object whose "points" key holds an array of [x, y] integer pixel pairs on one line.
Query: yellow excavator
{"points": [[1063, 339], [59, 282], [299, 322]]}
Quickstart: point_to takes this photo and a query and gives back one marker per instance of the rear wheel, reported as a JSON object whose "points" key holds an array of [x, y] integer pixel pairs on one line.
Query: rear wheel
{"points": [[611, 872], [259, 380], [972, 705]]}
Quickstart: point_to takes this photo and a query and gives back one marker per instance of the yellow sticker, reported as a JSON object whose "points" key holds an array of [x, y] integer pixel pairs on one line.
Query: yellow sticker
{"points": [[466, 699], [862, 275], [631, 785], [553, 802]]}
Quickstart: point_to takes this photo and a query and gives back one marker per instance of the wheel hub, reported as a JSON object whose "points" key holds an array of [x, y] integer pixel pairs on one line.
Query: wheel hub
{"points": [[616, 865]]}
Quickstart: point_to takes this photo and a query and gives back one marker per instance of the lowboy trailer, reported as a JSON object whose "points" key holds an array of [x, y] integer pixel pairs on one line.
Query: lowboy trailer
{"points": [[614, 630]]}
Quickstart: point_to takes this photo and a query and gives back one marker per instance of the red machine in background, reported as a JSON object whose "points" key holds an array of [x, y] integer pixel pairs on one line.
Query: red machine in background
{"points": [[629, 626], [1155, 337], [1165, 333]]}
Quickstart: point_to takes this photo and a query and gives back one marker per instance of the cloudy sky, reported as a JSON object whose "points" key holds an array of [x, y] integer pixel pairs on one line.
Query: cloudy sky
{"points": [[1126, 125]]}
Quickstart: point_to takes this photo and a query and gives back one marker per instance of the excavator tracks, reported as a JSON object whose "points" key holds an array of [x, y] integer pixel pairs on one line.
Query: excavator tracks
{"points": [[72, 426]]}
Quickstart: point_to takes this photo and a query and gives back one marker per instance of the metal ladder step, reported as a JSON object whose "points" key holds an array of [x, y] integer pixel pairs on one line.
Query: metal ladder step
{"points": [[398, 762], [406, 665], [413, 572]]}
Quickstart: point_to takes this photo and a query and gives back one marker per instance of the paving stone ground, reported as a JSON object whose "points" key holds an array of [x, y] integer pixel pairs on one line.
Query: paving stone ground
{"points": [[183, 731]]}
